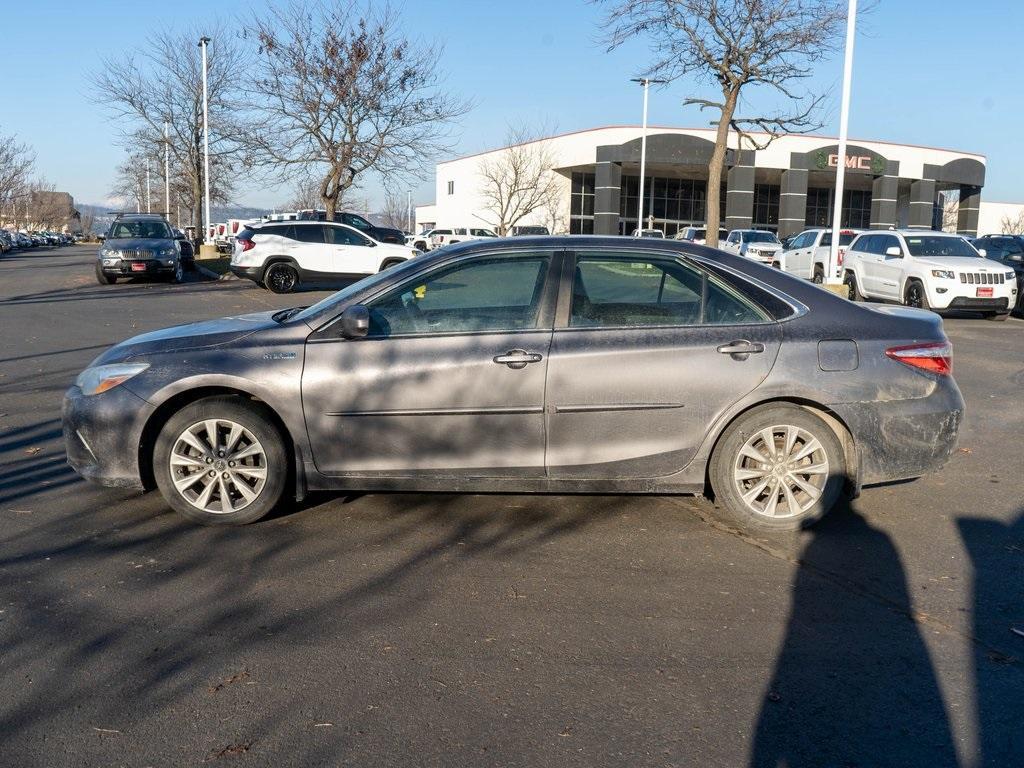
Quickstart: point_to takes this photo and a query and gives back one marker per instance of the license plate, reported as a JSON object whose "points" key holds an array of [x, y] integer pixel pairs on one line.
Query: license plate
{"points": [[142, 268], [984, 293]]}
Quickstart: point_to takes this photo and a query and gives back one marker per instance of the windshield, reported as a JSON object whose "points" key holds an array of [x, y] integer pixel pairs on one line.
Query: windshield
{"points": [[759, 237], [938, 247], [146, 230]]}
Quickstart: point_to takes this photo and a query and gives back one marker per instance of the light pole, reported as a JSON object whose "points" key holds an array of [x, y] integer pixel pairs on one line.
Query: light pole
{"points": [[203, 41], [149, 196], [646, 83], [167, 170], [844, 119]]}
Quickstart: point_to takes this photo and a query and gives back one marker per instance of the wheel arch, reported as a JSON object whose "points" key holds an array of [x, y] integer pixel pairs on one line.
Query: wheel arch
{"points": [[179, 400], [851, 454]]}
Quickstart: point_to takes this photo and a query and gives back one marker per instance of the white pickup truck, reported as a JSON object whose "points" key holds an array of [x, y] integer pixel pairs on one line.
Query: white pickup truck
{"points": [[929, 270], [807, 255], [449, 236]]}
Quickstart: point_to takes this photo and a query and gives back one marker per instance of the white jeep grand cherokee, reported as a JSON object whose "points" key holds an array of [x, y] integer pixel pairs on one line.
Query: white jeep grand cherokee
{"points": [[930, 270]]}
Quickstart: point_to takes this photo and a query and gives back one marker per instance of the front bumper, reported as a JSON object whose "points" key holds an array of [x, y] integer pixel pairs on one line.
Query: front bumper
{"points": [[138, 268], [102, 434], [903, 439]]}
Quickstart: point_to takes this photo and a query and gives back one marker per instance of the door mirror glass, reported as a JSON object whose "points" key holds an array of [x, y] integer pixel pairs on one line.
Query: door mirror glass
{"points": [[355, 322], [893, 252]]}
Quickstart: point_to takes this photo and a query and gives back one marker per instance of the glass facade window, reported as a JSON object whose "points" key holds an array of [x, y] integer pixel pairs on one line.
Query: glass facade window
{"points": [[766, 207], [856, 211], [674, 203], [581, 211]]}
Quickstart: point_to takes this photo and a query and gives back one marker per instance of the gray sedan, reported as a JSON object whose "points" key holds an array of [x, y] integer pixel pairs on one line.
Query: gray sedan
{"points": [[552, 365]]}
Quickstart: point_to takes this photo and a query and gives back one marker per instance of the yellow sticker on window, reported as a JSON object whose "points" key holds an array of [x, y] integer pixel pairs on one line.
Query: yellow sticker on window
{"points": [[420, 291]]}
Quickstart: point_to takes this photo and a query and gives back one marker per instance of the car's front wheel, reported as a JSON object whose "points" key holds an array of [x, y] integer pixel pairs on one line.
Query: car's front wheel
{"points": [[221, 461], [281, 278], [778, 467], [103, 278], [914, 295]]}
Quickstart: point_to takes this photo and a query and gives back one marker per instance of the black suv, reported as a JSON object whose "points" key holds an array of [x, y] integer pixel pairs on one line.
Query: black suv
{"points": [[380, 234], [139, 245], [1008, 250]]}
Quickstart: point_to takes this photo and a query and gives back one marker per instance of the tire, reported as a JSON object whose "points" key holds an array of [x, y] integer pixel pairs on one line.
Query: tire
{"points": [[177, 275], [998, 317], [104, 279], [851, 283], [263, 472], [818, 277], [734, 472], [281, 278], [914, 295], [388, 263], [420, 245]]}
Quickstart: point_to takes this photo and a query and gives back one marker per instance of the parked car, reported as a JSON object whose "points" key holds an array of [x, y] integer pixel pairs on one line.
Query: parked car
{"points": [[808, 253], [929, 270], [439, 238], [528, 230], [281, 256], [699, 235], [187, 249], [653, 233], [494, 367], [1007, 250], [139, 245], [6, 244], [380, 234], [25, 240], [754, 244], [420, 242]]}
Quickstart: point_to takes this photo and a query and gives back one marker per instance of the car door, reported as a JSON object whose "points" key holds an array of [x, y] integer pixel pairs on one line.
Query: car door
{"points": [[888, 269], [867, 259], [798, 258], [354, 253], [448, 382], [311, 251], [648, 349]]}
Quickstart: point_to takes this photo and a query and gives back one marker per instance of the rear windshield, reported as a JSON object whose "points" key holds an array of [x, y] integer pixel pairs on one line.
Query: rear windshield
{"points": [[845, 238], [759, 237], [246, 234], [143, 230], [934, 246]]}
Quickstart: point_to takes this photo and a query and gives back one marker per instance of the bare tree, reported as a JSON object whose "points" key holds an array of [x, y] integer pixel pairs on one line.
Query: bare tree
{"points": [[343, 91], [518, 180], [395, 212], [736, 45], [163, 82], [554, 211], [1013, 225], [16, 161], [306, 197]]}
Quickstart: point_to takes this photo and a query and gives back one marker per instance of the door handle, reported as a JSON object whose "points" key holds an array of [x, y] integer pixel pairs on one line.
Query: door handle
{"points": [[741, 349], [517, 358]]}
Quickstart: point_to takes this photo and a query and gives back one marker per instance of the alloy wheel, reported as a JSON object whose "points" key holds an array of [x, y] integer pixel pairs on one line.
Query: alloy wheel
{"points": [[914, 296], [218, 466], [781, 471], [281, 279]]}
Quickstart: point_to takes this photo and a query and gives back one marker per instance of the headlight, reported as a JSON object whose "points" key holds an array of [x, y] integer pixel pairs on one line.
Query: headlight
{"points": [[945, 273], [1010, 275], [93, 381], [166, 252], [107, 251]]}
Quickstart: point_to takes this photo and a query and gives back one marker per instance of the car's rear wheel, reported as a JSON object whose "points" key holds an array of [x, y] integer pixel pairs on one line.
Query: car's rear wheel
{"points": [[281, 278], [779, 468], [914, 295], [997, 316], [221, 461], [851, 285], [388, 263], [819, 274], [103, 278]]}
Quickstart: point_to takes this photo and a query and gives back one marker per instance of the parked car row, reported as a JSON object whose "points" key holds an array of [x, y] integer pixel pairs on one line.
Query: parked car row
{"points": [[11, 240], [439, 237]]}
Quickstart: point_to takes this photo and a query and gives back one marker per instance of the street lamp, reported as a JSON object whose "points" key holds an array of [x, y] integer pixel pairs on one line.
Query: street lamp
{"points": [[167, 171], [844, 119], [203, 42], [646, 83]]}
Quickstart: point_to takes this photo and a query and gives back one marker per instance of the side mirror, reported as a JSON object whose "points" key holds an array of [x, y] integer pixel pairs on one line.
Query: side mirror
{"points": [[355, 322], [894, 252], [982, 252]]}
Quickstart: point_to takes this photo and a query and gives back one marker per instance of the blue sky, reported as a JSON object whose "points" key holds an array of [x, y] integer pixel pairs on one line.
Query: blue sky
{"points": [[937, 73]]}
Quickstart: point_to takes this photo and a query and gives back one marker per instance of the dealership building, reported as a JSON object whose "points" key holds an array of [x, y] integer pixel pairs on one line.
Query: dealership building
{"points": [[785, 187]]}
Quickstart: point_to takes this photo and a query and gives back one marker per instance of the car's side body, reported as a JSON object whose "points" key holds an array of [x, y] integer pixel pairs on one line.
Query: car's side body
{"points": [[597, 409], [885, 267]]}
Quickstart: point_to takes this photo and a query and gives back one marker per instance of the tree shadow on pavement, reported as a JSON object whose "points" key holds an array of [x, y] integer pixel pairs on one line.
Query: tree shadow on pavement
{"points": [[854, 684]]}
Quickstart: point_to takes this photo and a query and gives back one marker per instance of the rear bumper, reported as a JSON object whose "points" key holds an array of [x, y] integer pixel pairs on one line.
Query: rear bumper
{"points": [[102, 434], [249, 273], [903, 439]]}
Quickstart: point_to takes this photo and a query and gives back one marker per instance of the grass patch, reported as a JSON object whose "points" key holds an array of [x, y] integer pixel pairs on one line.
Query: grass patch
{"points": [[220, 265]]}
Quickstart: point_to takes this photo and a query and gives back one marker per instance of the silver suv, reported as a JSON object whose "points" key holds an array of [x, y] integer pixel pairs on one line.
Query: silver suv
{"points": [[139, 245]]}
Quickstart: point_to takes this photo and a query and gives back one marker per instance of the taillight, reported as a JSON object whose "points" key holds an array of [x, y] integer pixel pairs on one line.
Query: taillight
{"points": [[935, 357], [247, 245], [841, 255]]}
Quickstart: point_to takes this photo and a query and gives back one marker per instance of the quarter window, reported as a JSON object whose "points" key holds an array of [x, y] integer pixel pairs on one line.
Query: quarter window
{"points": [[496, 294], [611, 292]]}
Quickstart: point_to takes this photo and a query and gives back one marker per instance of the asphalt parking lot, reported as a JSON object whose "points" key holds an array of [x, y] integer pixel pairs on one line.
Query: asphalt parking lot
{"points": [[414, 629]]}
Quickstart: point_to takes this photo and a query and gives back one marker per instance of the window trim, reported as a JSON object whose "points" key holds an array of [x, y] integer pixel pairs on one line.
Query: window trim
{"points": [[563, 311]]}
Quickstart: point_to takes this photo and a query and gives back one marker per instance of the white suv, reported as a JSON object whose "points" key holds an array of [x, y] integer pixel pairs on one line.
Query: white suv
{"points": [[930, 270], [281, 255], [755, 244], [442, 237], [807, 255]]}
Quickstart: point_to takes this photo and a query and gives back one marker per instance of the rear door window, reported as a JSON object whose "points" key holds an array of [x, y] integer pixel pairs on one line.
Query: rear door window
{"points": [[309, 233]]}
